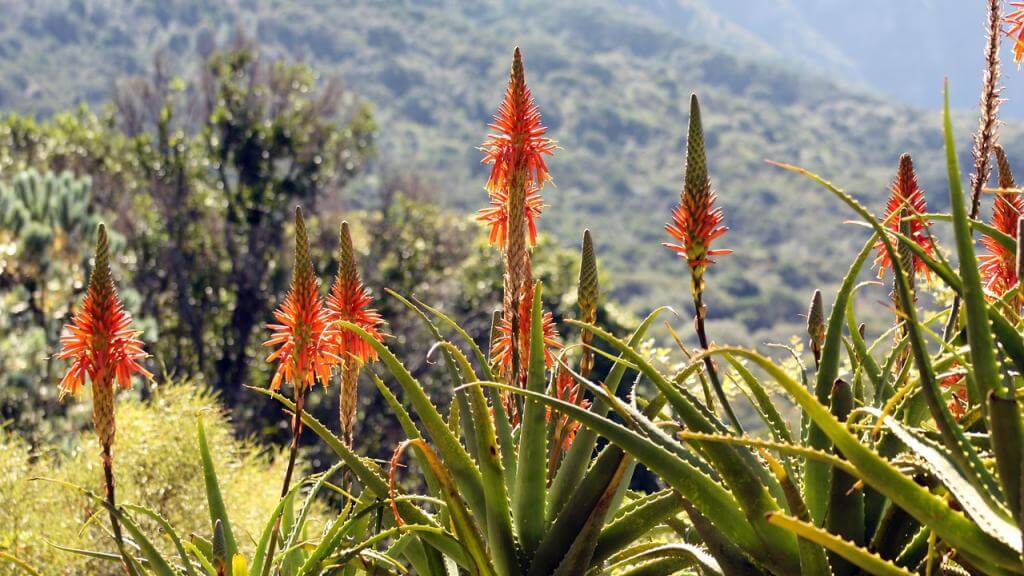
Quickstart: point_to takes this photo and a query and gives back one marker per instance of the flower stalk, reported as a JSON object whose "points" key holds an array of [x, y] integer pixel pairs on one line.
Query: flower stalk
{"points": [[696, 223], [103, 348]]}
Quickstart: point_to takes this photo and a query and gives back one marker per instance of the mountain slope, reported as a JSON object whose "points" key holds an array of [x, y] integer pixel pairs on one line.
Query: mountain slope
{"points": [[612, 80]]}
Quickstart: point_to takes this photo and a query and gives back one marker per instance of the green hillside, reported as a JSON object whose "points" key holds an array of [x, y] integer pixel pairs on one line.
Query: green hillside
{"points": [[612, 82]]}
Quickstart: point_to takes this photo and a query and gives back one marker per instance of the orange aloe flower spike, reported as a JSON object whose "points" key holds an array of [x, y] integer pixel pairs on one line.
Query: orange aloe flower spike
{"points": [[905, 199], [349, 300], [496, 216], [518, 141], [501, 353], [100, 340], [304, 332], [696, 221], [999, 265]]}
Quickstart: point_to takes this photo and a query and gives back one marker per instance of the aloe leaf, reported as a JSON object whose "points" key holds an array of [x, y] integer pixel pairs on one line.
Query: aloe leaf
{"points": [[1004, 239], [1007, 439], [108, 556], [992, 518], [867, 361], [500, 536], [214, 499], [575, 531], [687, 555], [878, 473], [259, 556], [861, 557], [763, 402], [370, 476], [816, 477], [648, 513], [300, 522], [575, 462], [157, 564], [745, 482], [454, 454], [712, 499], [953, 436], [453, 374], [169, 530], [528, 493], [469, 534], [579, 555], [813, 560], [979, 333], [846, 502]]}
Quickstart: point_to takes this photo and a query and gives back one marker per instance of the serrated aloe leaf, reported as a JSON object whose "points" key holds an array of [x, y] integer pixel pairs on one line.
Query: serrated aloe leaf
{"points": [[1007, 439], [259, 556], [579, 555], [763, 402], [575, 462], [712, 499], [300, 522], [649, 512], [453, 374], [157, 564], [953, 435], [878, 473], [813, 560], [744, 481], [575, 531], [529, 489], [1005, 240], [846, 502], [991, 518], [685, 555], [453, 452], [214, 499], [500, 536], [861, 557], [371, 477], [467, 530], [169, 530], [979, 333], [817, 478], [867, 361]]}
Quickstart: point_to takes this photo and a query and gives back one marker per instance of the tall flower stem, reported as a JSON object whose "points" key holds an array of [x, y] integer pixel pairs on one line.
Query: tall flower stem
{"points": [[107, 458], [286, 484], [709, 364], [987, 135]]}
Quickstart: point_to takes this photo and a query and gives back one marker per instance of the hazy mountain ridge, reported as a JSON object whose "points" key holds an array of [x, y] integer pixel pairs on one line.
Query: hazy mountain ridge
{"points": [[612, 79]]}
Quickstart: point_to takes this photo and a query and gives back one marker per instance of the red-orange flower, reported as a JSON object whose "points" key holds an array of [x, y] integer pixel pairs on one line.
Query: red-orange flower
{"points": [[568, 390], [349, 301], [906, 199], [496, 215], [100, 341], [518, 145], [999, 266], [696, 221], [304, 332], [1015, 29], [501, 352]]}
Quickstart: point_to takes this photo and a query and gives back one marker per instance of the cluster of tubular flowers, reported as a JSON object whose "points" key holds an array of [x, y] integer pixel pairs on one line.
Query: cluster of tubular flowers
{"points": [[696, 221], [501, 353], [305, 334], [100, 341], [349, 301], [516, 150], [496, 216], [906, 200], [568, 390], [999, 264]]}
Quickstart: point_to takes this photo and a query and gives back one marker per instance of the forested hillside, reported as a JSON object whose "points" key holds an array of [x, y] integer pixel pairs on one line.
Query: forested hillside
{"points": [[612, 78]]}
